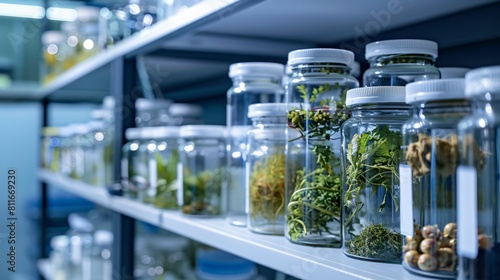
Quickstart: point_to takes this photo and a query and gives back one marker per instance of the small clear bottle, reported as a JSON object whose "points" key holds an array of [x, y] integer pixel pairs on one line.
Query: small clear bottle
{"points": [[398, 62], [265, 171], [428, 180], [371, 152], [162, 168], [202, 170], [152, 112], [60, 257], [320, 80], [253, 82], [478, 224]]}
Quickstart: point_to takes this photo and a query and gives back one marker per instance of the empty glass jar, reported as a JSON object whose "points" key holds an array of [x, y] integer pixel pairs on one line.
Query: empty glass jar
{"points": [[478, 197], [398, 62], [371, 152], [428, 181], [319, 82], [202, 169]]}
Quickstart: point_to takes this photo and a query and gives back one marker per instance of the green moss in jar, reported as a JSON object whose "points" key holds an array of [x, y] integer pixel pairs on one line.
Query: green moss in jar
{"points": [[202, 192], [166, 186]]}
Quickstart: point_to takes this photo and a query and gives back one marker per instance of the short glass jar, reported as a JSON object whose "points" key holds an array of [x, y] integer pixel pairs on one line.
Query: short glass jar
{"points": [[428, 180], [265, 168], [152, 112], [478, 224], [398, 62], [162, 167], [202, 170], [371, 152], [319, 82]]}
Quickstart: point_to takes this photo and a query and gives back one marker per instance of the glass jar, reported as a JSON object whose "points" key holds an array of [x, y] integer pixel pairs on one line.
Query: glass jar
{"points": [[320, 80], [162, 168], [54, 54], [152, 112], [80, 237], [453, 72], [78, 141], [237, 213], [90, 39], [371, 152], [104, 131], [428, 183], [101, 268], [201, 171], [185, 114], [133, 164], [478, 195], [60, 257], [253, 82], [265, 175], [66, 133], [398, 62], [70, 30]]}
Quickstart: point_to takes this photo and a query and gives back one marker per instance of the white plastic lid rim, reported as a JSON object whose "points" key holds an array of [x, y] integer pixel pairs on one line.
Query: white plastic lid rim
{"points": [[320, 55], [375, 95], [453, 72], [165, 132], [258, 110], [483, 80], [259, 69], [435, 90], [202, 131], [401, 46], [143, 104]]}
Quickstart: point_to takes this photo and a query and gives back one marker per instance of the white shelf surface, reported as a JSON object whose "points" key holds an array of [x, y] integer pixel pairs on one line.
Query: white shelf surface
{"points": [[45, 268], [303, 262]]}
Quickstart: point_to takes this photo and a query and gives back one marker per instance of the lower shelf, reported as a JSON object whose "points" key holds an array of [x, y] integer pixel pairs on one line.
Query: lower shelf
{"points": [[275, 252]]}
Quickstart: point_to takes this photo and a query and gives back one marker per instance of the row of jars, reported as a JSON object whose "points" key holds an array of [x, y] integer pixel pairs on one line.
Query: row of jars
{"points": [[96, 29]]}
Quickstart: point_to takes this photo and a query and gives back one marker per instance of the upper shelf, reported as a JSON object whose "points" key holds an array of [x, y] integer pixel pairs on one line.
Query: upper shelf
{"points": [[275, 252]]}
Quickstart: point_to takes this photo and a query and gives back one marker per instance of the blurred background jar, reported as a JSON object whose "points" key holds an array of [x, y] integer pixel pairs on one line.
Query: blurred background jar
{"points": [[60, 257], [140, 14], [54, 53], [152, 112], [202, 170], [101, 255], [91, 39]]}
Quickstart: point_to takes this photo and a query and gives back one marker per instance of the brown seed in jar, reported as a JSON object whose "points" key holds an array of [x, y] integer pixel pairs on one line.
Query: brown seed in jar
{"points": [[431, 231], [427, 262], [445, 257], [450, 231], [411, 257], [429, 246]]}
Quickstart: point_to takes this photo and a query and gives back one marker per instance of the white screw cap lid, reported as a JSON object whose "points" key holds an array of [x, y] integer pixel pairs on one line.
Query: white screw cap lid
{"points": [[482, 80], [202, 131], [433, 90], [259, 69], [268, 110], [403, 46], [453, 72], [163, 132], [375, 95], [143, 104], [320, 56]]}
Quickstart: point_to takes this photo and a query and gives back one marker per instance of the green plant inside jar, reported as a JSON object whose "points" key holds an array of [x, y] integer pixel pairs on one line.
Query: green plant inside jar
{"points": [[166, 184], [315, 200], [267, 188], [202, 192], [372, 160]]}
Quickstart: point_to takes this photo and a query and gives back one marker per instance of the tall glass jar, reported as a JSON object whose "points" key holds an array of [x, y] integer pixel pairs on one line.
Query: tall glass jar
{"points": [[265, 171], [253, 82], [398, 62], [236, 174], [162, 168], [320, 80], [428, 182], [371, 151], [201, 172], [477, 177]]}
